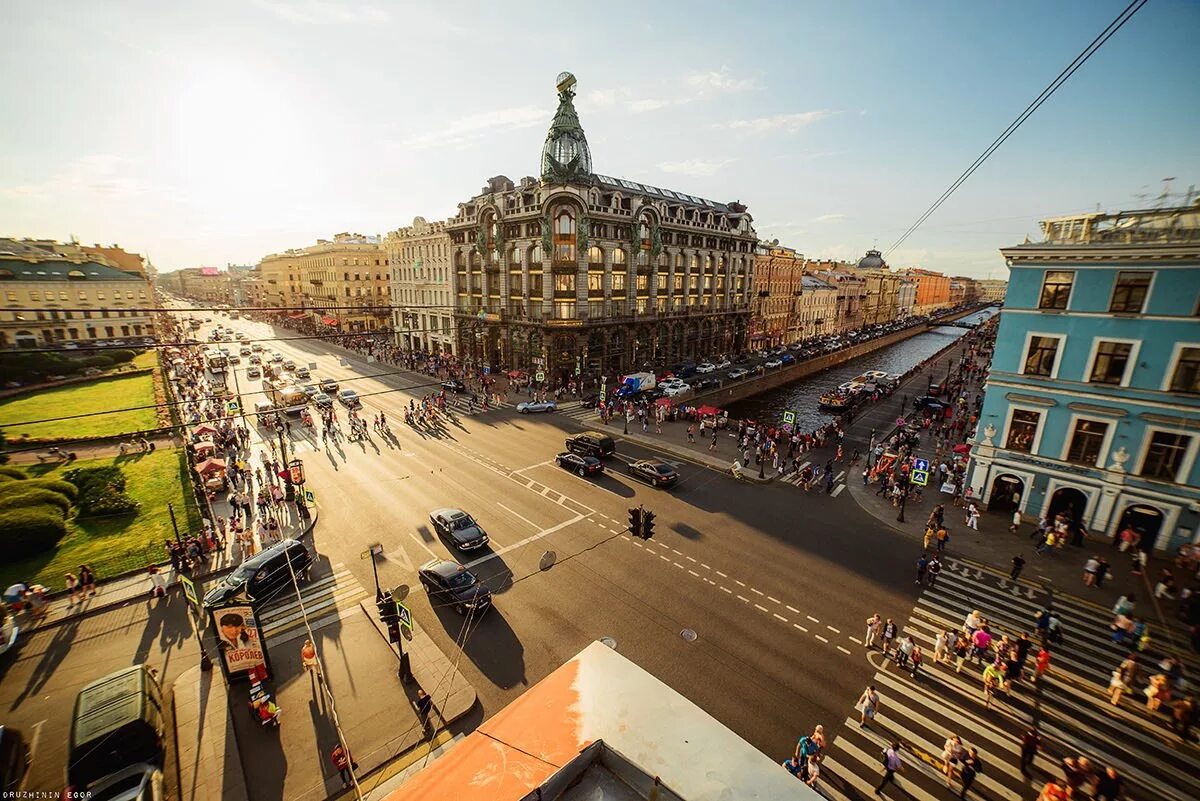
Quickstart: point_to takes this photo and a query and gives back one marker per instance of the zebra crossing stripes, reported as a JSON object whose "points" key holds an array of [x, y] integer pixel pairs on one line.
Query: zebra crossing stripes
{"points": [[1070, 708], [323, 599]]}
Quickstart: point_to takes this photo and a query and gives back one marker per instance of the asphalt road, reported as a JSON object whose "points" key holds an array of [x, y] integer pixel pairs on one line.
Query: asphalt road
{"points": [[775, 583]]}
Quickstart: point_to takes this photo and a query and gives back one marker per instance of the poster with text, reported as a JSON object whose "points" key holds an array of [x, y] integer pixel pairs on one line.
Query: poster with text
{"points": [[239, 638]]}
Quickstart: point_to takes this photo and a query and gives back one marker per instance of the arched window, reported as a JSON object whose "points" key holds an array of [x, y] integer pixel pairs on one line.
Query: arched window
{"points": [[564, 235], [459, 261], [595, 256], [494, 258], [695, 264], [514, 257], [619, 257], [535, 257], [678, 261], [476, 259]]}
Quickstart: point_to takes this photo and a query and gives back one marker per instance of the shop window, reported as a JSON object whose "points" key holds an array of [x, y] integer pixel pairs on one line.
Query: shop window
{"points": [[1086, 441], [1022, 429], [1056, 289], [1165, 455]]}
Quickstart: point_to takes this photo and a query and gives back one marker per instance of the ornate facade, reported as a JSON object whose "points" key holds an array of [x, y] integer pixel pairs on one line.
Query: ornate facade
{"points": [[422, 286], [582, 274], [339, 284]]}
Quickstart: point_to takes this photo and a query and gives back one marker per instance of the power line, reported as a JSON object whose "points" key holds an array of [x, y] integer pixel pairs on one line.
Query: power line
{"points": [[1045, 95]]}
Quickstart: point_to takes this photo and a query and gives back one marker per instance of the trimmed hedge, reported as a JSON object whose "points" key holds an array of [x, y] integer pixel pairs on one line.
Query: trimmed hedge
{"points": [[30, 530], [36, 497], [13, 472], [57, 485], [101, 491]]}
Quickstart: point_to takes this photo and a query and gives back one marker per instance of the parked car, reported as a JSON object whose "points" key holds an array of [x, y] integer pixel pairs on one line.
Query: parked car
{"points": [[928, 402], [264, 576], [253, 371], [532, 407], [452, 583], [289, 364], [580, 465], [787, 358], [245, 351], [702, 384], [117, 726], [310, 390], [591, 443], [723, 363], [659, 474], [459, 528], [256, 347], [705, 367], [277, 357], [738, 373], [771, 364], [674, 389], [14, 761]]}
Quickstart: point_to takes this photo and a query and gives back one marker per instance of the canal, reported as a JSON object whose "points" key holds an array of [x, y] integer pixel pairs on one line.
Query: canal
{"points": [[801, 396]]}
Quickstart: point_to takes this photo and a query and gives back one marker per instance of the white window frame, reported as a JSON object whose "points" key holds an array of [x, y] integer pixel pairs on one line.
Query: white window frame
{"points": [[1102, 457], [1149, 290], [1173, 363], [1058, 354], [1189, 458], [1041, 426], [1130, 365], [1042, 289]]}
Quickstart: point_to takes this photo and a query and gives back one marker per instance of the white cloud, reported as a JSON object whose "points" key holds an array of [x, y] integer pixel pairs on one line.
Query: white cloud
{"points": [[720, 81], [600, 98], [694, 166], [101, 174], [648, 104], [475, 126], [789, 123], [324, 12], [829, 218]]}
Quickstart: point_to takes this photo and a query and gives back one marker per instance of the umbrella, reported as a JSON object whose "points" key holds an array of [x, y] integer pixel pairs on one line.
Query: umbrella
{"points": [[663, 402], [962, 448], [210, 466], [708, 411]]}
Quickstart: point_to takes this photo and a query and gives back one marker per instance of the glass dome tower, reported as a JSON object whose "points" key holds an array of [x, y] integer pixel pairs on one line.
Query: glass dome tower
{"points": [[566, 157]]}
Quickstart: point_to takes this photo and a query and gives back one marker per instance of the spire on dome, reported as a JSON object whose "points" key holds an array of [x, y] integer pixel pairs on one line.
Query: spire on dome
{"points": [[566, 157]]}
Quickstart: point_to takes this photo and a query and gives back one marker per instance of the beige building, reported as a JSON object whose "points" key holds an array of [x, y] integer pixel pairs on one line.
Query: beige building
{"points": [[851, 299], [816, 314], [421, 286], [992, 290], [906, 298], [340, 283], [774, 310], [56, 293]]}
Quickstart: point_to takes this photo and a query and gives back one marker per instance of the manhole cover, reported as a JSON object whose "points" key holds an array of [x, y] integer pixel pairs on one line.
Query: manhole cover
{"points": [[688, 635], [548, 560], [610, 642]]}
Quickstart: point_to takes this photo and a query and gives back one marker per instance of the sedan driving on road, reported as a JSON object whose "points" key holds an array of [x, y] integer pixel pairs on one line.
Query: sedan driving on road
{"points": [[454, 386], [705, 367], [739, 373], [328, 385], [578, 464], [773, 363], [302, 372], [322, 400], [660, 474], [452, 583], [526, 407], [349, 398], [458, 527], [253, 372]]}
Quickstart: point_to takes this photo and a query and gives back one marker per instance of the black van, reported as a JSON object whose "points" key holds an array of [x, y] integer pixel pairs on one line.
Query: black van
{"points": [[118, 723], [592, 443], [264, 576]]}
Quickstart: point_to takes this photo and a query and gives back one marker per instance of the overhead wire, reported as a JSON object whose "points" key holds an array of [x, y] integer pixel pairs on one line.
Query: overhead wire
{"points": [[1033, 106]]}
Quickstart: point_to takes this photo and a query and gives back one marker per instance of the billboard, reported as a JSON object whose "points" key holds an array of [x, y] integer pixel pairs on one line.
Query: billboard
{"points": [[238, 638], [210, 271]]}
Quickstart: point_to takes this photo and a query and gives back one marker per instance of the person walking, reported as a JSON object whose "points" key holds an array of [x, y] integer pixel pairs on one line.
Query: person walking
{"points": [[345, 764], [1042, 664], [922, 567], [72, 584], [916, 658], [1030, 742], [1122, 679], [952, 753], [1018, 564], [891, 766], [308, 657], [868, 706], [972, 767], [874, 629], [890, 630], [934, 570], [87, 582], [1109, 785]]}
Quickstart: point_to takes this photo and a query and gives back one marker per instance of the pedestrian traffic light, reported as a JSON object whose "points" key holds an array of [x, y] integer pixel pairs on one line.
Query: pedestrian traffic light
{"points": [[635, 521], [647, 524], [394, 631]]}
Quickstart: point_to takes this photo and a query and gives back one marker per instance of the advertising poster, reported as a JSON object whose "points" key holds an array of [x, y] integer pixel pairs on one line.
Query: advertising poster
{"points": [[239, 638]]}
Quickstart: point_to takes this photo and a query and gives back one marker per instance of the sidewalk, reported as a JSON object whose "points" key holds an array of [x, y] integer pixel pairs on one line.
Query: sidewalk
{"points": [[209, 767]]}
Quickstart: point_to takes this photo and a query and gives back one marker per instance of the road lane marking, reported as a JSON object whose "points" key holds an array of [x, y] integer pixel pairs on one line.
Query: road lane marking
{"points": [[822, 639], [740, 583], [792, 609], [781, 617], [690, 559], [694, 573], [719, 573], [526, 541], [856, 641], [773, 600], [681, 567], [831, 628], [677, 553], [797, 625], [743, 598], [664, 558], [761, 607], [837, 490], [530, 467], [843, 650], [760, 592], [519, 516], [726, 589], [813, 619], [840, 476], [706, 567]]}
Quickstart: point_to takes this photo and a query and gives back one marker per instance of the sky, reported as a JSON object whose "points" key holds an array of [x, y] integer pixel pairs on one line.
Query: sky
{"points": [[214, 132]]}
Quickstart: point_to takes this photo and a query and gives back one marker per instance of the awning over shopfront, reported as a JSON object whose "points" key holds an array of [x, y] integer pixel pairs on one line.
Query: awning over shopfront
{"points": [[330, 320], [297, 315]]}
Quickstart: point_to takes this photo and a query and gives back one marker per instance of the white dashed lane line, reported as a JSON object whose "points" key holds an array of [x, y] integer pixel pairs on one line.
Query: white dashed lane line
{"points": [[719, 573], [792, 609], [831, 628], [797, 625], [761, 608], [813, 619], [843, 650], [726, 589], [822, 639], [743, 598], [780, 617]]}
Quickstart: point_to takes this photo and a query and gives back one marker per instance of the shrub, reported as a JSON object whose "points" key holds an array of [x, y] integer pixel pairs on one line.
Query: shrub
{"points": [[12, 472], [61, 487], [100, 360], [30, 530], [101, 491], [121, 355], [36, 497]]}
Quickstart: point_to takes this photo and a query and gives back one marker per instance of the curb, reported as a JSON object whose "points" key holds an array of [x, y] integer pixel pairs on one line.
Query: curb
{"points": [[94, 610]]}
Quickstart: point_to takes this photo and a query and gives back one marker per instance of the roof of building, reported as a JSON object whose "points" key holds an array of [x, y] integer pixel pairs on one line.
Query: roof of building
{"points": [[601, 701], [872, 261], [624, 185], [52, 269], [809, 282]]}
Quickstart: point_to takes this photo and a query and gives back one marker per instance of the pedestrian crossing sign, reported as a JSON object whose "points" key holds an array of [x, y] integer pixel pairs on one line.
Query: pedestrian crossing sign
{"points": [[404, 615], [540, 376], [921, 465], [920, 477], [231, 407], [789, 418]]}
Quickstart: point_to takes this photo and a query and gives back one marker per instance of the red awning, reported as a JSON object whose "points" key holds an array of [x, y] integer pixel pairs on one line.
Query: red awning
{"points": [[663, 402], [708, 411], [329, 320], [297, 315]]}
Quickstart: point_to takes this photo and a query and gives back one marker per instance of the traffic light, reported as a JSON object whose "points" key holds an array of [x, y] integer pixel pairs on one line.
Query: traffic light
{"points": [[635, 521], [394, 631], [647, 524], [387, 610]]}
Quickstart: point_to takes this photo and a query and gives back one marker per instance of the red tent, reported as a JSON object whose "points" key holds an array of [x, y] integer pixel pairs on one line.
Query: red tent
{"points": [[663, 402], [203, 429], [209, 466], [708, 411], [962, 448]]}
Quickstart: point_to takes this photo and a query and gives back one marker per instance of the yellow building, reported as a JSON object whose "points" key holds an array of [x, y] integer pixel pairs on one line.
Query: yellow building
{"points": [[422, 288], [56, 294], [340, 283]]}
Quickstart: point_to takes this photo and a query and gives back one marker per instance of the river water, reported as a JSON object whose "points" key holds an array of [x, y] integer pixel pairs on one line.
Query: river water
{"points": [[801, 396]]}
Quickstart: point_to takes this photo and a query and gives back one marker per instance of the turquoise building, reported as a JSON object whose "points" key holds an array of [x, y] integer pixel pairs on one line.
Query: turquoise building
{"points": [[1092, 405]]}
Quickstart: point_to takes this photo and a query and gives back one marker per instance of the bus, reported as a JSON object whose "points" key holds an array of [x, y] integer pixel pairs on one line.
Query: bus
{"points": [[217, 361]]}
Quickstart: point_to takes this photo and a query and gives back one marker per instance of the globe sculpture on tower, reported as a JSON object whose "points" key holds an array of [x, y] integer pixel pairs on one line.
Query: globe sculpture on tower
{"points": [[566, 157]]}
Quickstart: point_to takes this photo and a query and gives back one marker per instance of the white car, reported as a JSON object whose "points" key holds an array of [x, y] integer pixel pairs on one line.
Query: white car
{"points": [[773, 363], [673, 390], [721, 365], [705, 367]]}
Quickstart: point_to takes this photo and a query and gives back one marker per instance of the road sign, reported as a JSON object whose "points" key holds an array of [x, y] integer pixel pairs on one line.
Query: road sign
{"points": [[374, 550], [487, 370], [919, 477], [789, 418], [921, 464], [540, 376], [190, 592], [405, 615], [309, 497], [231, 407]]}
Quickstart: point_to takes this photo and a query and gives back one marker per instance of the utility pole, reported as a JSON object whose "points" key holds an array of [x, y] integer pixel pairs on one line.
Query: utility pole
{"points": [[174, 525]]}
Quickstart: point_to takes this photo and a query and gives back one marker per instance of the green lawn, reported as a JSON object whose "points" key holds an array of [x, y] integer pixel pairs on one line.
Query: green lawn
{"points": [[94, 396], [115, 544]]}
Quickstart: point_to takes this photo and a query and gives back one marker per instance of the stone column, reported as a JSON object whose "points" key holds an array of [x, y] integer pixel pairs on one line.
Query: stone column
{"points": [[652, 303], [687, 277], [607, 284], [671, 280], [581, 284], [630, 281], [525, 280]]}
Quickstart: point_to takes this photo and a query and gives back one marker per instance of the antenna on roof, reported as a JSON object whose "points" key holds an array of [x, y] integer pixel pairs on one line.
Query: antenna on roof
{"points": [[1165, 195]]}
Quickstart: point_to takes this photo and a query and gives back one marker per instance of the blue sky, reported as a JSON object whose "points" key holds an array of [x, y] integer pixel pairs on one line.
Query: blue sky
{"points": [[213, 132]]}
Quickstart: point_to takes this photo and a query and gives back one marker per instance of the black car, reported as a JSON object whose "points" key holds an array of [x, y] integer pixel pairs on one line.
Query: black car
{"points": [[590, 402], [660, 474], [591, 443], [458, 527], [454, 385], [14, 761], [705, 383], [582, 465], [450, 582], [929, 402], [261, 578]]}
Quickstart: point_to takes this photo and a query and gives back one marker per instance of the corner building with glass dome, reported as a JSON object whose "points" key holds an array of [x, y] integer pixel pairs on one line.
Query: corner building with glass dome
{"points": [[581, 274]]}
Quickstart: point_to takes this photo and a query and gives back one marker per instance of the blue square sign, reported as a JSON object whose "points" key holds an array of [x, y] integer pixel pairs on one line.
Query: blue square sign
{"points": [[922, 465]]}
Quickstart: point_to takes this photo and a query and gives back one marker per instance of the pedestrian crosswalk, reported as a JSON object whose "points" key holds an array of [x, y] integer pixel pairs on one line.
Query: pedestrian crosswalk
{"points": [[324, 599], [1069, 706], [794, 478]]}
